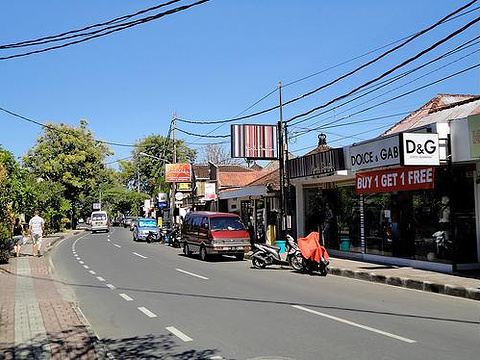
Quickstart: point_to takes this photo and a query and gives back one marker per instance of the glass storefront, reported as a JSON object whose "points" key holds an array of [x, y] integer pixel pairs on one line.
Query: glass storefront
{"points": [[335, 214], [431, 225]]}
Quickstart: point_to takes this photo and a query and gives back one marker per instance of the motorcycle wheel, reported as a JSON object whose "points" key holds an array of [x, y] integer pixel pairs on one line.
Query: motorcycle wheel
{"points": [[323, 269], [296, 262], [258, 263]]}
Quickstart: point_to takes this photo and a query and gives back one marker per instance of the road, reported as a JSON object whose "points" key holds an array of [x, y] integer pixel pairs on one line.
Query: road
{"points": [[150, 301]]}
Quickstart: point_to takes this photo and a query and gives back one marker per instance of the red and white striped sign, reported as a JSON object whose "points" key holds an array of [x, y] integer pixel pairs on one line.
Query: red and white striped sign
{"points": [[254, 141]]}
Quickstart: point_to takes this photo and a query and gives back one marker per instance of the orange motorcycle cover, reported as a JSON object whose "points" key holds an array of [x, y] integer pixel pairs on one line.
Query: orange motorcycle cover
{"points": [[311, 248]]}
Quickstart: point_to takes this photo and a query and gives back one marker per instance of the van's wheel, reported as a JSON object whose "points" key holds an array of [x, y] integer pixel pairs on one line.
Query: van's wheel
{"points": [[203, 253], [186, 250]]}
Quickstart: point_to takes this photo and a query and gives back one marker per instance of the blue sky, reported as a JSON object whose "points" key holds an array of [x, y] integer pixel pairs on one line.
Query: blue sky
{"points": [[213, 61]]}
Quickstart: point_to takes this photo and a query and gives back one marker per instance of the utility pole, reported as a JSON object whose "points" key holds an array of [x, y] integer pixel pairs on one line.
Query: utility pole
{"points": [[174, 161], [281, 165]]}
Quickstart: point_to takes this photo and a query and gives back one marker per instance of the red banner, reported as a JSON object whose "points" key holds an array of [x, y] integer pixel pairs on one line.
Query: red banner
{"points": [[403, 179], [178, 172]]}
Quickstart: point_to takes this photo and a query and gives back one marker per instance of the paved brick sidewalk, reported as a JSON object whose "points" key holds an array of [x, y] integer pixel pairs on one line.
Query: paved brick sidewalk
{"points": [[36, 321]]}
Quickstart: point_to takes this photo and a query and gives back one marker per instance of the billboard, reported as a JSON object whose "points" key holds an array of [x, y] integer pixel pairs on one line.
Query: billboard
{"points": [[181, 172], [210, 193], [254, 141]]}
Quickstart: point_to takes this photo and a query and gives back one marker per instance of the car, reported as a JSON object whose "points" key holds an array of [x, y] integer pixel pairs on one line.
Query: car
{"points": [[143, 227], [127, 221]]}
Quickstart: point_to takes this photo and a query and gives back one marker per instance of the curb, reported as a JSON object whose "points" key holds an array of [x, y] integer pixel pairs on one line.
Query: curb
{"points": [[451, 290]]}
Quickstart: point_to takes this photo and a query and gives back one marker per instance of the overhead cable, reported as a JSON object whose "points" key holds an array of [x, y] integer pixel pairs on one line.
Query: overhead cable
{"points": [[113, 29], [423, 52], [337, 79]]}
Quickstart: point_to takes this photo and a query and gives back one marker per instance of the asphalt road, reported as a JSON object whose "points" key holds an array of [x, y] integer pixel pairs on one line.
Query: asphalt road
{"points": [[150, 301]]}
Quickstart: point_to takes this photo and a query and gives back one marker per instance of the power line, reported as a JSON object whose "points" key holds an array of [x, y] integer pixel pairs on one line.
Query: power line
{"points": [[202, 135], [60, 37], [398, 77], [397, 97], [59, 130], [423, 52], [204, 122], [112, 30]]}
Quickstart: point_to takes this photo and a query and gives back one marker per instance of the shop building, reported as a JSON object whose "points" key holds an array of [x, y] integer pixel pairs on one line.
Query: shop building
{"points": [[409, 197]]}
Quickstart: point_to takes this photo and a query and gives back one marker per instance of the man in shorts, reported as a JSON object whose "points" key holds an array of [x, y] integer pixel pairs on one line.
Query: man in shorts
{"points": [[36, 227]]}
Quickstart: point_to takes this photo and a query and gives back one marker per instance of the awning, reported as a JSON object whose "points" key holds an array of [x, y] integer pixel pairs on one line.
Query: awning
{"points": [[259, 190]]}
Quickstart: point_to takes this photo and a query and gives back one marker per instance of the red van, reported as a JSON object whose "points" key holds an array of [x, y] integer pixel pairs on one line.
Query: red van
{"points": [[213, 233]]}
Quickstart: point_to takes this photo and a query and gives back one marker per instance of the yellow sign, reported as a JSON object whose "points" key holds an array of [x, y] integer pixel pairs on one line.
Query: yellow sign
{"points": [[159, 222], [184, 186]]}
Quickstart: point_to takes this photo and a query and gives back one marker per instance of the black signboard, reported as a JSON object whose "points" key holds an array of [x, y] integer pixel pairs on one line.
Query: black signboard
{"points": [[323, 163]]}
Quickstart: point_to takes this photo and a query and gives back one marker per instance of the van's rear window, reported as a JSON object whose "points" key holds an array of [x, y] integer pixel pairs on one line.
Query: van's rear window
{"points": [[226, 223], [98, 217]]}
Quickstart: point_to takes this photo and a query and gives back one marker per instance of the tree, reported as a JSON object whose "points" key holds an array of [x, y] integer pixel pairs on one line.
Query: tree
{"points": [[71, 157], [147, 173], [219, 155]]}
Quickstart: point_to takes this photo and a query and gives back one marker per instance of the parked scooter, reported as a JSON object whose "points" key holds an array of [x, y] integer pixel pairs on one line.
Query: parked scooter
{"points": [[173, 236], [264, 255], [314, 256], [152, 237]]}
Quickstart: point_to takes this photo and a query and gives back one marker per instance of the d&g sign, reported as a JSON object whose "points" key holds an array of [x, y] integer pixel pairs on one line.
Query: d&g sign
{"points": [[420, 149]]}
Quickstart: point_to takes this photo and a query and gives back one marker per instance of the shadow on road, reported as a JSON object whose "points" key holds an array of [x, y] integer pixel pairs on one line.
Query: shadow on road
{"points": [[75, 343]]}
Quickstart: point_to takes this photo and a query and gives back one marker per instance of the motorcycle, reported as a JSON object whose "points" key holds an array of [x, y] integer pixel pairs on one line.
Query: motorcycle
{"points": [[314, 256], [173, 236], [152, 236], [264, 255]]}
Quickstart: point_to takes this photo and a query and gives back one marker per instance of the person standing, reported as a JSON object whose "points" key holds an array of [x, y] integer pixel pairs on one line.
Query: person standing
{"points": [[36, 228], [18, 237]]}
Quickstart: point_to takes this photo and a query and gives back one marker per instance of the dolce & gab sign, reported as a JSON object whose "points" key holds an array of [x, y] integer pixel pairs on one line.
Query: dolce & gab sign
{"points": [[402, 149]]}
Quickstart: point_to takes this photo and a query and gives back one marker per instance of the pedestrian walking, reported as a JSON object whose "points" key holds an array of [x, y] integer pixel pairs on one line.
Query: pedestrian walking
{"points": [[18, 237], [36, 227]]}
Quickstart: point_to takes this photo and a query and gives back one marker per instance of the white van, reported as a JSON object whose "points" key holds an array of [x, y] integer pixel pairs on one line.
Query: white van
{"points": [[99, 220]]}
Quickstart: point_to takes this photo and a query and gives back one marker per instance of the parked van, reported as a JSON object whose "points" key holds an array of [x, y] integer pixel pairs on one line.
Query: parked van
{"points": [[212, 233], [99, 221]]}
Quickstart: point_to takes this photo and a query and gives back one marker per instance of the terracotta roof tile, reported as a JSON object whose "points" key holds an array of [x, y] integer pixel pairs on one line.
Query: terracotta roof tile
{"points": [[238, 179], [272, 178]]}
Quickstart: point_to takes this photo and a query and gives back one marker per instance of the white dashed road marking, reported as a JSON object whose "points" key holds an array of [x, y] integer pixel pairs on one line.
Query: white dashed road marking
{"points": [[126, 297], [143, 257], [110, 286], [351, 323], [81, 262], [192, 274], [118, 246], [92, 272], [100, 278], [86, 266], [179, 334], [147, 312]]}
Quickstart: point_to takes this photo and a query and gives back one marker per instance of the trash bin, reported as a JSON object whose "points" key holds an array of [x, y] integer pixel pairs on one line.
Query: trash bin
{"points": [[344, 243], [281, 243]]}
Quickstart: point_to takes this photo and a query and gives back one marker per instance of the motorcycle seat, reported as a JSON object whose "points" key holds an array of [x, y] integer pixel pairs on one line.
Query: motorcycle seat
{"points": [[276, 247]]}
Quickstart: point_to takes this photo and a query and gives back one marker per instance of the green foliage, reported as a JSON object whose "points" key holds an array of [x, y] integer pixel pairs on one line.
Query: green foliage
{"points": [[119, 200], [148, 173], [69, 159]]}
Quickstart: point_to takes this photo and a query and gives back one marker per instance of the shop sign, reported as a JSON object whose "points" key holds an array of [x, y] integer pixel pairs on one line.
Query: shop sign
{"points": [[420, 149], [474, 135], [376, 153], [184, 186], [96, 206], [402, 179], [210, 191], [181, 172], [320, 164]]}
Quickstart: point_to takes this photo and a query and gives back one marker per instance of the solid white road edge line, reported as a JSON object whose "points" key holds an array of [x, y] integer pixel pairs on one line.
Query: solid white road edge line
{"points": [[126, 297], [144, 257], [110, 286], [351, 323], [179, 334], [118, 246], [147, 312], [192, 274]]}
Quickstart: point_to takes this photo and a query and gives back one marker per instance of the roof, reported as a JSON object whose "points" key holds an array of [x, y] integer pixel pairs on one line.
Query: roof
{"points": [[441, 108], [272, 179], [238, 179], [201, 171], [211, 214]]}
